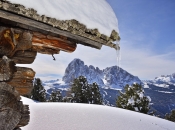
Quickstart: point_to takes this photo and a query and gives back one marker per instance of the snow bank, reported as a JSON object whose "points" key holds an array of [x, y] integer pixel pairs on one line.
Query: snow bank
{"points": [[71, 116], [93, 13], [27, 100]]}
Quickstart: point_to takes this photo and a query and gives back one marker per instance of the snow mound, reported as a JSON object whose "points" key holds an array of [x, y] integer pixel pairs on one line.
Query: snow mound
{"points": [[27, 100], [72, 116], [93, 13]]}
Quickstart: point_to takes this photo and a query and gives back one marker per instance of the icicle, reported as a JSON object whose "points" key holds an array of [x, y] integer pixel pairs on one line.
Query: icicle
{"points": [[118, 55], [118, 58]]}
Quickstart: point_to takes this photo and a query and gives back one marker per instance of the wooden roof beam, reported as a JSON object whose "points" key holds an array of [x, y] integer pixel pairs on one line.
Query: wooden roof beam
{"points": [[29, 24]]}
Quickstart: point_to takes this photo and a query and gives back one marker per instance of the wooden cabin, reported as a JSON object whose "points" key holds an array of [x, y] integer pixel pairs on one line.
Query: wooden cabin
{"points": [[23, 34]]}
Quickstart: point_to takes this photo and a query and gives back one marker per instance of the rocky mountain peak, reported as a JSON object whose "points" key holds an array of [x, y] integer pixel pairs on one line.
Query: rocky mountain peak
{"points": [[112, 77]]}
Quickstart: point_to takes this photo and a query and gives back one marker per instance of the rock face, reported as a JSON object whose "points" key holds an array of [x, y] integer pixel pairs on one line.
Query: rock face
{"points": [[116, 77], [112, 77], [77, 68]]}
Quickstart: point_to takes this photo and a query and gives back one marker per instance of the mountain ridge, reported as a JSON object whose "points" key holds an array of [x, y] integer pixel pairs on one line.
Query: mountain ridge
{"points": [[112, 77]]}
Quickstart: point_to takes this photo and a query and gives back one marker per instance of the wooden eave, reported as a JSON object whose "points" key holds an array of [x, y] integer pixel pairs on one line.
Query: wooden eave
{"points": [[14, 20]]}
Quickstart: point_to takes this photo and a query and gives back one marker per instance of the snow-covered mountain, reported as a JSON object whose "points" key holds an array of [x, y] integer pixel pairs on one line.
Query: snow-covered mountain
{"points": [[111, 77], [163, 80], [77, 68], [162, 92], [110, 80], [161, 89]]}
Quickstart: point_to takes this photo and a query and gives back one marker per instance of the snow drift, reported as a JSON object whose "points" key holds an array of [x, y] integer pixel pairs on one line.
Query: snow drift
{"points": [[72, 116]]}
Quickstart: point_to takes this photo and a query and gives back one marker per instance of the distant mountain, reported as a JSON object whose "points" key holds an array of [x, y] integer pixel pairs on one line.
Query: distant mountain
{"points": [[110, 80], [162, 92], [77, 68], [111, 77]]}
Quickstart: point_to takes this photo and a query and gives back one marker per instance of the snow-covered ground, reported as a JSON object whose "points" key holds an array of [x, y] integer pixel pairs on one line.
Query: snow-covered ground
{"points": [[93, 13], [72, 116]]}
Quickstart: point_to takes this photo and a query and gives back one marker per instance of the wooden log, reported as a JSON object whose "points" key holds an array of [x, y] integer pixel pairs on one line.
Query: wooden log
{"points": [[10, 107], [22, 80], [13, 114], [53, 43], [45, 50], [6, 42], [25, 118], [24, 57], [7, 69], [12, 40]]}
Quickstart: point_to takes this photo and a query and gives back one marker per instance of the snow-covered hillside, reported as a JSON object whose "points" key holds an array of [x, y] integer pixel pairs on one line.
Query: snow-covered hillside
{"points": [[71, 116]]}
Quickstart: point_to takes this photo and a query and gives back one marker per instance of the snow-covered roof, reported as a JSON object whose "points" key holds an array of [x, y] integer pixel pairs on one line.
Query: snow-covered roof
{"points": [[92, 13], [91, 23]]}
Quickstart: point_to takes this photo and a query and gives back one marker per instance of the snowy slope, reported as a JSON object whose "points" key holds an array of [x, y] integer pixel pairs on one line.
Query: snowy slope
{"points": [[71, 116], [93, 13]]}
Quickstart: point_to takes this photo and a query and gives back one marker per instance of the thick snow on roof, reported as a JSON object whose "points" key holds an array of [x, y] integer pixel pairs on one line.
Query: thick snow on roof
{"points": [[93, 13], [72, 116]]}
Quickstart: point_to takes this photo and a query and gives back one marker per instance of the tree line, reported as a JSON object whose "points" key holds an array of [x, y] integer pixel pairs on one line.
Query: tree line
{"points": [[132, 98]]}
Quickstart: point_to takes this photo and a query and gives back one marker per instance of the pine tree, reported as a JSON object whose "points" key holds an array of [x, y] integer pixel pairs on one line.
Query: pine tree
{"points": [[171, 116], [96, 97], [82, 92], [38, 93], [134, 99], [55, 96]]}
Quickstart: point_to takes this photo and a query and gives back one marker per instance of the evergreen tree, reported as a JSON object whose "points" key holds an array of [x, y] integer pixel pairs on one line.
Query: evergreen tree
{"points": [[55, 96], [134, 99], [171, 116], [96, 97], [38, 93], [82, 92]]}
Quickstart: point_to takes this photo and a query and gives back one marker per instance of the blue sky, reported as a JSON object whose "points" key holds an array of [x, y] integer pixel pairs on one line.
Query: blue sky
{"points": [[147, 30], [147, 27]]}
